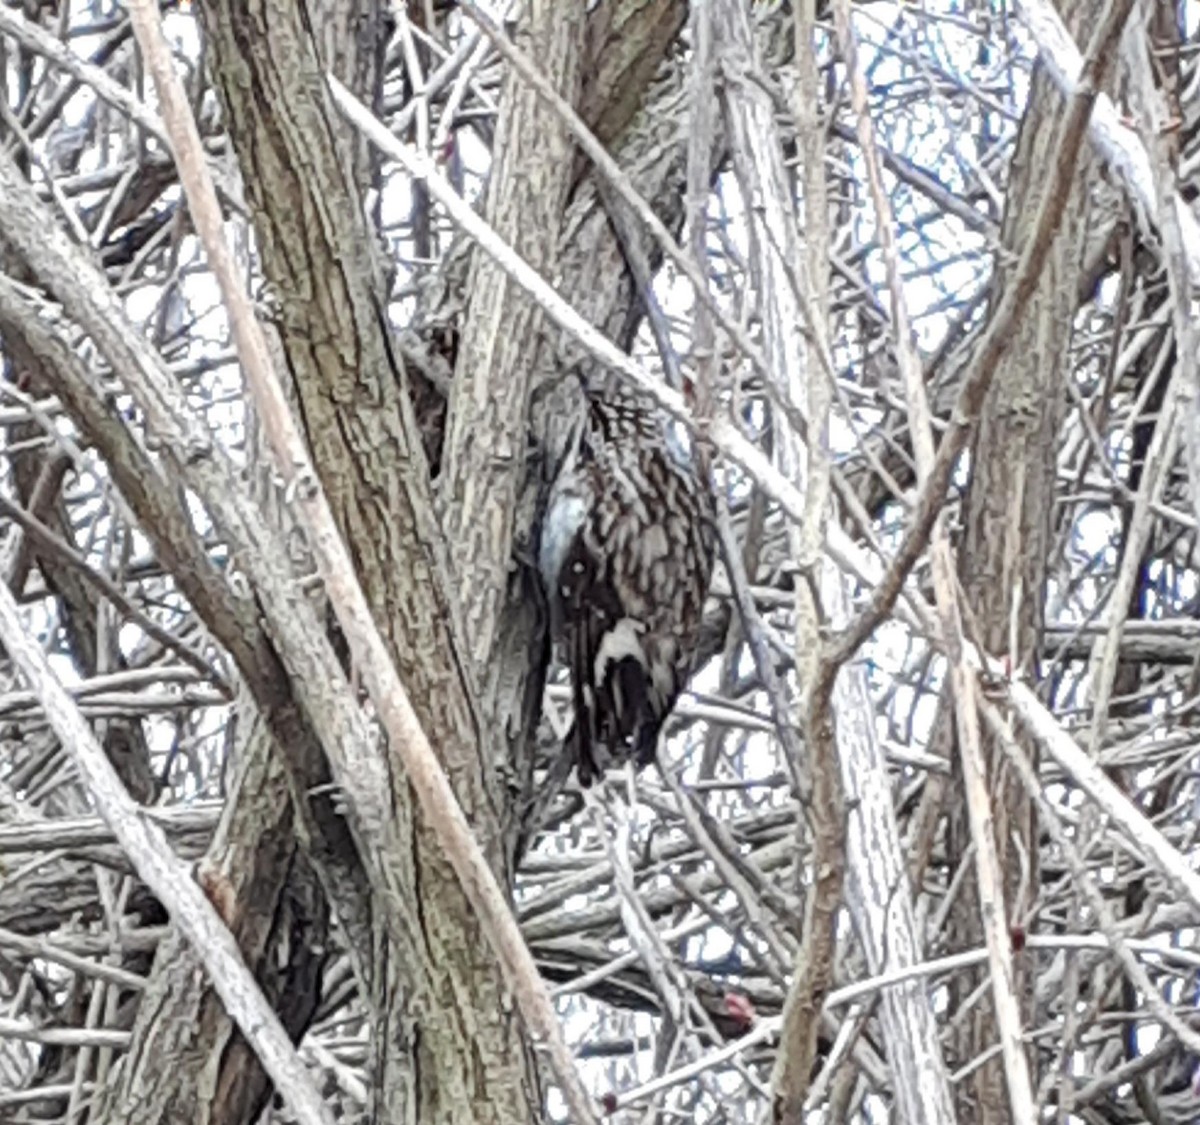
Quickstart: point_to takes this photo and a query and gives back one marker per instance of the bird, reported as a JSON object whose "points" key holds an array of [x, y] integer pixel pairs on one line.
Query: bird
{"points": [[626, 557]]}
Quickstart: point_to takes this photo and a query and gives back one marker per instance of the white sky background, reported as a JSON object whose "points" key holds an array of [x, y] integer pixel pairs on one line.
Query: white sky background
{"points": [[915, 114]]}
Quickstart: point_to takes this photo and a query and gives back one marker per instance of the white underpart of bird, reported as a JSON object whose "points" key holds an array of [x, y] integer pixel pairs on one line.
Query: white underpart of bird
{"points": [[622, 642], [626, 556]]}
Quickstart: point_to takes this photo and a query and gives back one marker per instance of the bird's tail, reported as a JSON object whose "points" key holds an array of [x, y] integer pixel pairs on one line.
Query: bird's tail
{"points": [[578, 753]]}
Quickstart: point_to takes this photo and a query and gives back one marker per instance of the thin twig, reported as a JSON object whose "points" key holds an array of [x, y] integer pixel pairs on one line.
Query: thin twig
{"points": [[52, 545], [997, 337]]}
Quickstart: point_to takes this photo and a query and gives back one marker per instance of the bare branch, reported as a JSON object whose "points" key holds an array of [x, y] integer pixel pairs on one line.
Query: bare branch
{"points": [[170, 879]]}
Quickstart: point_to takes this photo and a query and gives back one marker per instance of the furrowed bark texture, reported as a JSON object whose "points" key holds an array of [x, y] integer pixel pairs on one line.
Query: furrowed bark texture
{"points": [[1005, 557], [253, 868], [256, 863], [316, 250], [448, 1042], [487, 433]]}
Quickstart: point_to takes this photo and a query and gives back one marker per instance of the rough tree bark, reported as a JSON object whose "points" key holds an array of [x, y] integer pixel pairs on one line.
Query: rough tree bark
{"points": [[276, 908], [1005, 555], [447, 1041]]}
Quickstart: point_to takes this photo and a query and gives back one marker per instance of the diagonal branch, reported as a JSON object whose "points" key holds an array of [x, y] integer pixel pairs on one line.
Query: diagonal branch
{"points": [[1091, 778], [40, 534], [1115, 141], [166, 875], [282, 697], [724, 435]]}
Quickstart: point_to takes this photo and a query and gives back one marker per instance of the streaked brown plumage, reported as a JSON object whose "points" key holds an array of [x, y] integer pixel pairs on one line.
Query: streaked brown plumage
{"points": [[626, 557]]}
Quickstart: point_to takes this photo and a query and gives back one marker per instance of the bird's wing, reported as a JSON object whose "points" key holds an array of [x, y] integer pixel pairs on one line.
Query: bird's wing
{"points": [[589, 605]]}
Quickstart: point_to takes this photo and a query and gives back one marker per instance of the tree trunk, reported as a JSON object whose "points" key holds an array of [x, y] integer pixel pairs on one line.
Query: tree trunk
{"points": [[447, 1041], [255, 868], [1005, 558]]}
